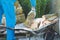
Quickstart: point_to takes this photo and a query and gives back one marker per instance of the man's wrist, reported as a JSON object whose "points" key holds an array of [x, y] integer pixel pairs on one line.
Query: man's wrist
{"points": [[33, 8]]}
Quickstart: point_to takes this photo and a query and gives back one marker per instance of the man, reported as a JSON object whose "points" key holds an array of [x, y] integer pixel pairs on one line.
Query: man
{"points": [[7, 7]]}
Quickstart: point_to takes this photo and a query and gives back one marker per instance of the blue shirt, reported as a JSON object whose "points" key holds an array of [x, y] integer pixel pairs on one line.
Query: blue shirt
{"points": [[33, 3]]}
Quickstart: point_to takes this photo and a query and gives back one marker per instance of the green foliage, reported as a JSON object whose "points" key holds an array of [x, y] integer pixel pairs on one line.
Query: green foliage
{"points": [[25, 5], [42, 7]]}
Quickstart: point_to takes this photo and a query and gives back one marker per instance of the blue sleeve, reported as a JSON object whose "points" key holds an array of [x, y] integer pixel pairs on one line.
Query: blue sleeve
{"points": [[9, 12], [14, 0], [33, 3]]}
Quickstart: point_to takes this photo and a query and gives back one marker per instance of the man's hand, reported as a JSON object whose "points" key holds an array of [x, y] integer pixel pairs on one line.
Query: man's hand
{"points": [[30, 17], [32, 13]]}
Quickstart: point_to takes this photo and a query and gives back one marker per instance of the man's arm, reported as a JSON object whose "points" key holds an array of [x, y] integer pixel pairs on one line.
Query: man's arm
{"points": [[33, 3]]}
